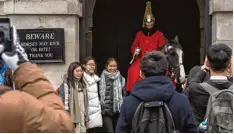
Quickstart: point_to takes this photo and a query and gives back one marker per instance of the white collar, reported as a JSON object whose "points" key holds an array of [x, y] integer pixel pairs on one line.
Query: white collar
{"points": [[218, 78]]}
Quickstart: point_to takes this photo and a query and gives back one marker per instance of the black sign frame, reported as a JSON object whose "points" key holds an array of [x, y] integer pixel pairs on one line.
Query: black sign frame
{"points": [[51, 40]]}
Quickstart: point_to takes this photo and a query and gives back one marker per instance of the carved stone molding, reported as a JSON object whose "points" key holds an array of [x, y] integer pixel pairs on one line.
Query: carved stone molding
{"points": [[42, 7], [221, 6]]}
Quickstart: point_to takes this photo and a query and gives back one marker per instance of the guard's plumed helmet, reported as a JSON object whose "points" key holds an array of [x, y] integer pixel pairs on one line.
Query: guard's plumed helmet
{"points": [[148, 17]]}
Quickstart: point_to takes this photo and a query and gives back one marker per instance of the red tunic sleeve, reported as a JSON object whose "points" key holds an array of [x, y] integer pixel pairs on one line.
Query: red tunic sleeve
{"points": [[161, 41], [136, 43]]}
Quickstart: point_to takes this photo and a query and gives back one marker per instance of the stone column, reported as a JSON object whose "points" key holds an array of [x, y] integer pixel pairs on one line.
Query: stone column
{"points": [[222, 21], [32, 14]]}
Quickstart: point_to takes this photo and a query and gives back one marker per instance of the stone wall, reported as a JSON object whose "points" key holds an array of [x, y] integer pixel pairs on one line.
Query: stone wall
{"points": [[32, 14], [222, 21]]}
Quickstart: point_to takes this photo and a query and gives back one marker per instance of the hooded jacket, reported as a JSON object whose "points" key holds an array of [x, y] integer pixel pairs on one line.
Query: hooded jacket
{"points": [[34, 107], [157, 88]]}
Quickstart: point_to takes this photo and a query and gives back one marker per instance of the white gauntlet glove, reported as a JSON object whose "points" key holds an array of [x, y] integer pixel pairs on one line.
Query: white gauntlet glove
{"points": [[137, 51], [17, 56]]}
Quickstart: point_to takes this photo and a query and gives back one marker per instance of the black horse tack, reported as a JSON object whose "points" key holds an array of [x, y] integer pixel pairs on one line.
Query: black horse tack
{"points": [[174, 54]]}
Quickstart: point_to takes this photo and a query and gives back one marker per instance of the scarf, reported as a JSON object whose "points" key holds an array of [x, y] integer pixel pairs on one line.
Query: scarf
{"points": [[74, 102], [90, 79], [117, 89]]}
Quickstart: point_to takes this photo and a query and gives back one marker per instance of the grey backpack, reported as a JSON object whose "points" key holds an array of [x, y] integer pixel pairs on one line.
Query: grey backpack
{"points": [[219, 112]]}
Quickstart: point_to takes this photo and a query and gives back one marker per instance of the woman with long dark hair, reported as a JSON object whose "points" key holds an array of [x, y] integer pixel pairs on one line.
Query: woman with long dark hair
{"points": [[76, 101]]}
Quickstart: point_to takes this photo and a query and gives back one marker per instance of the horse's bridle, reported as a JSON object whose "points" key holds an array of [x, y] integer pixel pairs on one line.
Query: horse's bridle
{"points": [[172, 69]]}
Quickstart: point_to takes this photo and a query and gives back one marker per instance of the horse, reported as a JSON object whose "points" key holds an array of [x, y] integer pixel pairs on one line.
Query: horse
{"points": [[174, 54]]}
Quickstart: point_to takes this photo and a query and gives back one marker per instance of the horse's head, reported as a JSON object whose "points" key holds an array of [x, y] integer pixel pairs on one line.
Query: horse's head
{"points": [[174, 54]]}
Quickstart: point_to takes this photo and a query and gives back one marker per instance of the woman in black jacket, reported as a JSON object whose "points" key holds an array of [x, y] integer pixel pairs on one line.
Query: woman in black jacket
{"points": [[111, 94]]}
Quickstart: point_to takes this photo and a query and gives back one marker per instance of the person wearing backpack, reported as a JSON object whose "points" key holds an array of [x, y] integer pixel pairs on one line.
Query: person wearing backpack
{"points": [[155, 97], [219, 64]]}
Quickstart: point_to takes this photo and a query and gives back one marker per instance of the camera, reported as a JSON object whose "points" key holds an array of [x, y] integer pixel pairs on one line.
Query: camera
{"points": [[5, 35]]}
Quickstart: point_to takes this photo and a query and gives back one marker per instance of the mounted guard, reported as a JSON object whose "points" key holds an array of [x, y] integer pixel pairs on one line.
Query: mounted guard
{"points": [[149, 38]]}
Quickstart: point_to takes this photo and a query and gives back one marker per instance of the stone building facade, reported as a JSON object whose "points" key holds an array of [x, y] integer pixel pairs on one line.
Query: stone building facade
{"points": [[222, 21], [32, 14]]}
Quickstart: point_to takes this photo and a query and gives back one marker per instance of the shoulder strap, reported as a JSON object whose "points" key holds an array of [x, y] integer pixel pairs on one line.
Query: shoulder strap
{"points": [[137, 115], [209, 88], [170, 115]]}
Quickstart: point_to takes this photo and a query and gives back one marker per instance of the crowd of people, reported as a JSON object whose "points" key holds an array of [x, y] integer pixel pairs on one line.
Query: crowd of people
{"points": [[102, 104], [87, 102], [93, 101]]}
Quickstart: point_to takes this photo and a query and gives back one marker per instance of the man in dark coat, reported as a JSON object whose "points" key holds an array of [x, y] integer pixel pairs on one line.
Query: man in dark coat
{"points": [[198, 75], [156, 86], [219, 61]]}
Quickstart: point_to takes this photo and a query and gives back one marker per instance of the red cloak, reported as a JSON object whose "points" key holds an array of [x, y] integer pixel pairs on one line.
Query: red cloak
{"points": [[146, 44]]}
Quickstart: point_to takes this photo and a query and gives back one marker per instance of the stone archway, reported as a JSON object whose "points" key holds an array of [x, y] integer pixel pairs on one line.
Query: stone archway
{"points": [[116, 22]]}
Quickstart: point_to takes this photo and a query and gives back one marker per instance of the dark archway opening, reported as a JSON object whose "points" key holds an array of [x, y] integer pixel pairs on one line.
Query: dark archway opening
{"points": [[116, 22]]}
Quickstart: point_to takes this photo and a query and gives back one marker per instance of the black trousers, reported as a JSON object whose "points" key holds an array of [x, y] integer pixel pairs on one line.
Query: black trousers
{"points": [[95, 130], [110, 122]]}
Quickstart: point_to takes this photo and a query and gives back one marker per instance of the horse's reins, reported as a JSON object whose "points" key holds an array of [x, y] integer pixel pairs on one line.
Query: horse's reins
{"points": [[172, 68]]}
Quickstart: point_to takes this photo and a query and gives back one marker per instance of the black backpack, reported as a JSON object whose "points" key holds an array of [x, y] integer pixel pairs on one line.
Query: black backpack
{"points": [[153, 117]]}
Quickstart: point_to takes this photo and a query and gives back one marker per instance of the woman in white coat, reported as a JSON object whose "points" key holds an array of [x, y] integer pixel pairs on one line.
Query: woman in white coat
{"points": [[94, 108]]}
